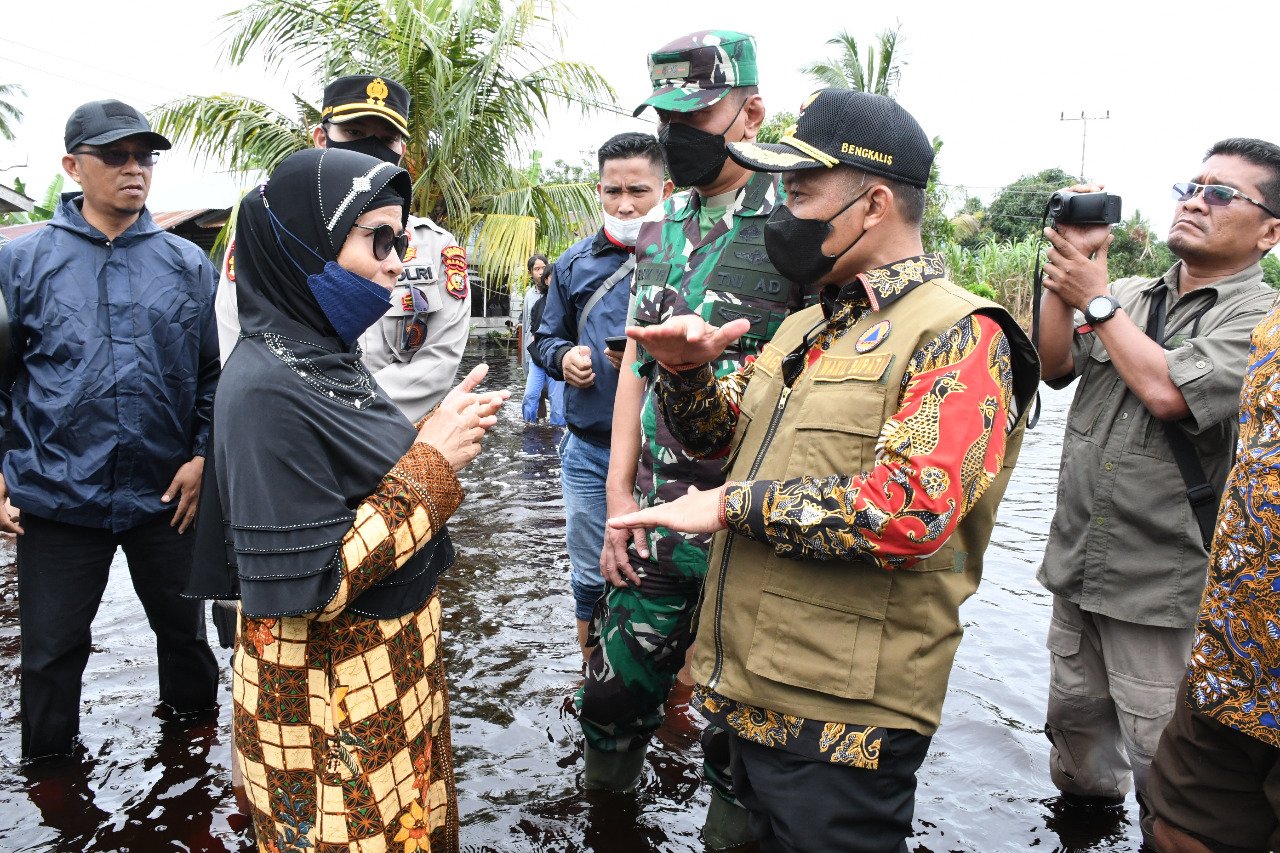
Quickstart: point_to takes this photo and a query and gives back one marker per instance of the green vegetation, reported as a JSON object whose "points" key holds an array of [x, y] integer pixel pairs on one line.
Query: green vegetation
{"points": [[44, 210], [9, 114], [483, 75], [881, 74]]}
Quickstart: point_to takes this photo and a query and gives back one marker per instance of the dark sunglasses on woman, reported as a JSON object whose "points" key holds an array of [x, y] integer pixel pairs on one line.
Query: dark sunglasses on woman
{"points": [[385, 239]]}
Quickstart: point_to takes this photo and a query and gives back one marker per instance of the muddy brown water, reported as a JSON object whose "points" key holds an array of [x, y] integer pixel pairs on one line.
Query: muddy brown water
{"points": [[147, 783]]}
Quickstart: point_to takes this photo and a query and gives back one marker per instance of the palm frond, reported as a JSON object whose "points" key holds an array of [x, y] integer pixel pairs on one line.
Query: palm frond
{"points": [[241, 134]]}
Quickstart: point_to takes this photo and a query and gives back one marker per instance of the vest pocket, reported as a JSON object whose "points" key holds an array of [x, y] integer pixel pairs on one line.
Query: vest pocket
{"points": [[947, 558], [832, 649], [838, 428]]}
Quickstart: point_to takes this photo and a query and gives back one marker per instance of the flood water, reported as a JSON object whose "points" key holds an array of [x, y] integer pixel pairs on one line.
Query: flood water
{"points": [[146, 783]]}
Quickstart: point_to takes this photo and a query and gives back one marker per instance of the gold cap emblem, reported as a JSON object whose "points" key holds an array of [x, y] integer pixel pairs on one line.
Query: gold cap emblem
{"points": [[377, 91]]}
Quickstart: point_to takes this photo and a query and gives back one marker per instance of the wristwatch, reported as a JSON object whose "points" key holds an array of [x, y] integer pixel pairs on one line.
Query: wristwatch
{"points": [[1101, 309]]}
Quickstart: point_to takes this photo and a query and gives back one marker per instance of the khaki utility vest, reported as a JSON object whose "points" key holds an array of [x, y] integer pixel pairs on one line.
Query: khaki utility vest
{"points": [[837, 640]]}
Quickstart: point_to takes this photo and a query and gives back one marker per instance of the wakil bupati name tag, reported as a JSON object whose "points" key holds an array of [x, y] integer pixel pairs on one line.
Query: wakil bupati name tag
{"points": [[865, 368]]}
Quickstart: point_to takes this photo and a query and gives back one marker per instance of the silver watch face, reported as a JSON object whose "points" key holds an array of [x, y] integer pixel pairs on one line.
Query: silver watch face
{"points": [[1099, 306]]}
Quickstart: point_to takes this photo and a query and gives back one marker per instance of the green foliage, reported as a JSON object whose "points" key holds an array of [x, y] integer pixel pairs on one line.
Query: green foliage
{"points": [[846, 71], [9, 114], [483, 75], [1018, 209], [1135, 251], [43, 211], [1271, 271], [775, 127], [1000, 271], [564, 172], [935, 227]]}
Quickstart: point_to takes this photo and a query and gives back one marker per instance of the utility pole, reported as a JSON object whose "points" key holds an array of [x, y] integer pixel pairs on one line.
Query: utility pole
{"points": [[1084, 132]]}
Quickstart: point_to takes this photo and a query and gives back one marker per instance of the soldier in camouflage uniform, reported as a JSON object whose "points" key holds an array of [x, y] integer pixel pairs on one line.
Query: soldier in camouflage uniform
{"points": [[706, 257]]}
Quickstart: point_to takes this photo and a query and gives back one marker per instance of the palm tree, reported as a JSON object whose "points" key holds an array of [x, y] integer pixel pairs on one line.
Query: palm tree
{"points": [[482, 80], [880, 77], [9, 114]]}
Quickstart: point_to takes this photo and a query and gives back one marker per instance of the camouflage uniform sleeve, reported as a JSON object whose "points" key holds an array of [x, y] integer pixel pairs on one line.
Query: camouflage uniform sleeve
{"points": [[934, 459], [702, 411]]}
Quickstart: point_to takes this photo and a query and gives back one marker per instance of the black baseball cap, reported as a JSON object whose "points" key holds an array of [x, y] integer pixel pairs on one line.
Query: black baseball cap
{"points": [[359, 95], [103, 122], [868, 132]]}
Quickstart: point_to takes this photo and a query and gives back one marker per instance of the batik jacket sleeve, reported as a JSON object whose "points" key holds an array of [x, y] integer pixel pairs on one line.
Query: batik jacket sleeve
{"points": [[934, 459], [702, 411]]}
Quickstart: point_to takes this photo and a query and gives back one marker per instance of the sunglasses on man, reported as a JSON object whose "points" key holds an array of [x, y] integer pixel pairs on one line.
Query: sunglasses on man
{"points": [[116, 157], [1215, 195], [385, 239]]}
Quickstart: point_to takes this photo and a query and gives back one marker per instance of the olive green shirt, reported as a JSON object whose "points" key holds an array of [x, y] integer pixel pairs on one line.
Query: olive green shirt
{"points": [[1124, 541]]}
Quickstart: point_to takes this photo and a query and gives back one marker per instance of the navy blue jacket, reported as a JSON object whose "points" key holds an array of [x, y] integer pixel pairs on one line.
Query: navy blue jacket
{"points": [[112, 366], [579, 271]]}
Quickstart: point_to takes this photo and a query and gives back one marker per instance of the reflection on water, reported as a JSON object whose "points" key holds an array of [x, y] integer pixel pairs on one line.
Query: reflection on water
{"points": [[144, 783]]}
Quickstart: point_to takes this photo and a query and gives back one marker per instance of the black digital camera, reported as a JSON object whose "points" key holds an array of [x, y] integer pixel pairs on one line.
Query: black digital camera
{"points": [[1068, 208]]}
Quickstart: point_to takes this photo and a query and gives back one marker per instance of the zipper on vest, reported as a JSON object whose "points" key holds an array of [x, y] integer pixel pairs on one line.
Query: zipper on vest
{"points": [[717, 642]]}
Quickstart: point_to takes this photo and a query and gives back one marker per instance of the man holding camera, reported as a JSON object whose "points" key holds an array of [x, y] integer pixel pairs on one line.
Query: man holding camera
{"points": [[587, 305], [1145, 456]]}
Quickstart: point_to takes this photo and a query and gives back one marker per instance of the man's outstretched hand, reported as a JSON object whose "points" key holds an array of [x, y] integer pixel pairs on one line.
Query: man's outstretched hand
{"points": [[687, 339]]}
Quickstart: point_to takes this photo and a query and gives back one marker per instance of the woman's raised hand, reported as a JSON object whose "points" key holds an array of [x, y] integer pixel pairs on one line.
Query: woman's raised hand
{"points": [[458, 425]]}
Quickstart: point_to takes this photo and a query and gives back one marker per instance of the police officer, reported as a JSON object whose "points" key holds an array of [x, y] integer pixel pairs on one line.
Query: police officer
{"points": [[414, 350], [707, 257]]}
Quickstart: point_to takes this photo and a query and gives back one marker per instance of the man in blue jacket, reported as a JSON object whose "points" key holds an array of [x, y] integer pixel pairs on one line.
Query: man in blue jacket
{"points": [[587, 303], [105, 405]]}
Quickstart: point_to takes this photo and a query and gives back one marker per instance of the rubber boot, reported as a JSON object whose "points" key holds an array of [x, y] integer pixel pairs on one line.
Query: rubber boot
{"points": [[728, 825], [612, 771]]}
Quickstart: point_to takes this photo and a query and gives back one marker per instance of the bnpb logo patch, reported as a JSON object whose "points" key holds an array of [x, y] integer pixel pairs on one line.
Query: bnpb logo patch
{"points": [[873, 337]]}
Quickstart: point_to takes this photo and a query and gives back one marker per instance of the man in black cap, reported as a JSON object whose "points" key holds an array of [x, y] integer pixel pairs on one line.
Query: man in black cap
{"points": [[414, 350], [105, 403], [868, 448]]}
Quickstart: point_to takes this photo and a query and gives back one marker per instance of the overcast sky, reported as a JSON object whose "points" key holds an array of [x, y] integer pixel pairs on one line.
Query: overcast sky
{"points": [[991, 79]]}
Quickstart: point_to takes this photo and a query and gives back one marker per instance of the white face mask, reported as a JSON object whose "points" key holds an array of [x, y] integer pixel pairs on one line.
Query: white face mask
{"points": [[627, 231]]}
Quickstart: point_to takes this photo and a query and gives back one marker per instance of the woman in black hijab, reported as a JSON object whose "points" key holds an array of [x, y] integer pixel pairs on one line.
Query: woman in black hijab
{"points": [[333, 509]]}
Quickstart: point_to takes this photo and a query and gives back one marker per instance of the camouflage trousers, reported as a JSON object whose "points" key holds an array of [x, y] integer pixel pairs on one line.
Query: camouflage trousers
{"points": [[638, 638]]}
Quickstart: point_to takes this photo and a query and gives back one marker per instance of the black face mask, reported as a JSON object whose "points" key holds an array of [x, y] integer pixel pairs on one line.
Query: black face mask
{"points": [[370, 145], [694, 156], [795, 245]]}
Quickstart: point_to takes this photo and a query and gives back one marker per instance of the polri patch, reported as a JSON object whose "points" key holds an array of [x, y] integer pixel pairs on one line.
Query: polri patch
{"points": [[873, 337], [454, 260]]}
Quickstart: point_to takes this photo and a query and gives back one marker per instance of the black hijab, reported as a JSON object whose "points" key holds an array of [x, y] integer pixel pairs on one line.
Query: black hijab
{"points": [[302, 433]]}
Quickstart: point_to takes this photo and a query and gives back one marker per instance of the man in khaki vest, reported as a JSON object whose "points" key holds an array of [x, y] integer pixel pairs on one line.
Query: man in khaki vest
{"points": [[868, 447]]}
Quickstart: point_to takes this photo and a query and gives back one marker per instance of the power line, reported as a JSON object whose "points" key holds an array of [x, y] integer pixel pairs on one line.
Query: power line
{"points": [[64, 77], [91, 67]]}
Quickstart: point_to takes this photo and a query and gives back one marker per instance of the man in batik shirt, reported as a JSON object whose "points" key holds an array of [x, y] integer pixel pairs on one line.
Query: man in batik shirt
{"points": [[1215, 781], [868, 448]]}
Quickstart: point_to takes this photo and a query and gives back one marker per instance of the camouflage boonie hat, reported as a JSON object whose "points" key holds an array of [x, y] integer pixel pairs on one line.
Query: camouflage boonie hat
{"points": [[695, 71]]}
